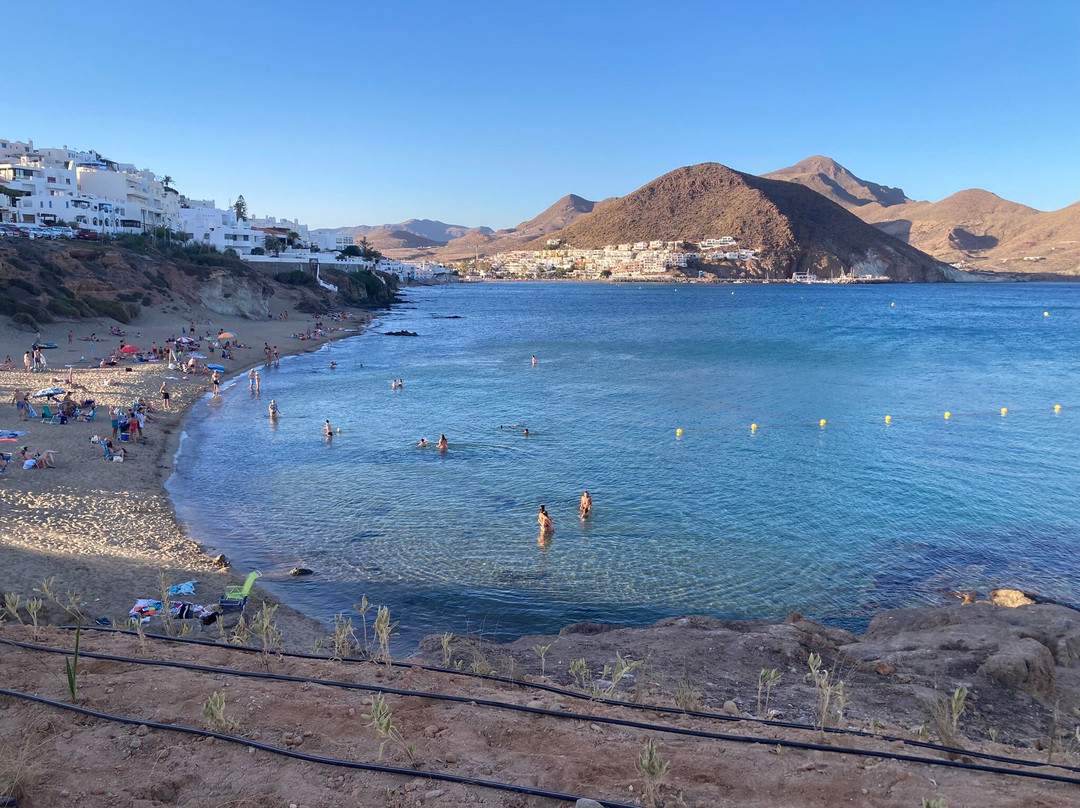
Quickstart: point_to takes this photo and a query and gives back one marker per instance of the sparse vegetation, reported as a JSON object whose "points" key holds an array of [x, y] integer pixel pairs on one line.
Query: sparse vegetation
{"points": [[380, 720], [653, 770], [214, 712], [344, 638], [767, 680], [447, 652], [384, 630], [830, 694], [264, 627], [687, 697], [946, 715], [541, 651]]}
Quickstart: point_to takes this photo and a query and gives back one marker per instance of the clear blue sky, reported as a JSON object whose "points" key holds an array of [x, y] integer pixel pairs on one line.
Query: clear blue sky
{"points": [[485, 113]]}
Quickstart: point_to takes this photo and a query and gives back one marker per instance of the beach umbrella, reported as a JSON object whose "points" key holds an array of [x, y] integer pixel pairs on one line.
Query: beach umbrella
{"points": [[49, 392], [218, 368], [226, 335], [130, 349], [185, 340]]}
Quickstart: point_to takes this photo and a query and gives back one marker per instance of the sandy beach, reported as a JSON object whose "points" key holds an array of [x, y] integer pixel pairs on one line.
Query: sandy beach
{"points": [[106, 532]]}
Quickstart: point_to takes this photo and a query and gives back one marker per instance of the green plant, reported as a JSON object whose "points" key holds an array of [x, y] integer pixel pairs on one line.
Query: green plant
{"points": [[653, 769], [213, 711], [11, 604], [580, 672], [384, 630], [687, 697], [447, 653], [380, 720], [939, 803], [541, 651], [363, 607], [71, 666], [623, 668], [767, 680], [264, 627], [344, 638], [831, 694], [33, 606], [241, 631], [946, 714], [993, 735]]}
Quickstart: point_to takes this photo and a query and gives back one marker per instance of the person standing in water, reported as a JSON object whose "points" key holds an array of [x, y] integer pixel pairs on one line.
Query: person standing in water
{"points": [[328, 431], [442, 445], [585, 508], [534, 360], [274, 412], [251, 380], [216, 381], [547, 526], [258, 383]]}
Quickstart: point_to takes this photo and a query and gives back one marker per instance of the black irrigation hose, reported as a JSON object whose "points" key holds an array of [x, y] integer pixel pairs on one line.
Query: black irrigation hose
{"points": [[618, 722], [612, 702], [277, 750]]}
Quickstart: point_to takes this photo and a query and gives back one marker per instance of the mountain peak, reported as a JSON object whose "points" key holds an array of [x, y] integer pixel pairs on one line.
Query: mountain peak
{"points": [[830, 179]]}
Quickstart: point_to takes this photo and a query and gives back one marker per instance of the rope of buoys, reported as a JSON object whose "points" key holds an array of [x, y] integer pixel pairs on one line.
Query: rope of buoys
{"points": [[887, 419]]}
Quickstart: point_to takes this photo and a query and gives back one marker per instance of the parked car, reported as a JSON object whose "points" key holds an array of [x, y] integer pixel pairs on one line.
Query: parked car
{"points": [[61, 232], [88, 235]]}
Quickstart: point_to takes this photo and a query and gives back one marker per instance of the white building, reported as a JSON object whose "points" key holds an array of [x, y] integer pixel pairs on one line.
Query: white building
{"points": [[206, 224], [326, 239]]}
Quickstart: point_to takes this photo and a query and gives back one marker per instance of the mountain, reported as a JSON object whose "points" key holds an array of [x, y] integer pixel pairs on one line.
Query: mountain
{"points": [[559, 215], [792, 227], [832, 180], [974, 226], [431, 229], [386, 241]]}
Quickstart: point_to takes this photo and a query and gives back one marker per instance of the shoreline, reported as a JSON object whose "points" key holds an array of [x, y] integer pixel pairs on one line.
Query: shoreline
{"points": [[106, 532]]}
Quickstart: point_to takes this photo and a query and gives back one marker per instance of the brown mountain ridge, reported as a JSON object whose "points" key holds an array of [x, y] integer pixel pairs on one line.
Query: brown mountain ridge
{"points": [[974, 226], [794, 228]]}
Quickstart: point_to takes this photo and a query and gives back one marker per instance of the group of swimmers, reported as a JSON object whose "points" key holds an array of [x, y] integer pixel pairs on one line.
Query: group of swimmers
{"points": [[547, 524], [442, 445]]}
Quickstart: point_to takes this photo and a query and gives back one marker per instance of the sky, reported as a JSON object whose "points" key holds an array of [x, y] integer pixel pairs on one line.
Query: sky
{"points": [[345, 113]]}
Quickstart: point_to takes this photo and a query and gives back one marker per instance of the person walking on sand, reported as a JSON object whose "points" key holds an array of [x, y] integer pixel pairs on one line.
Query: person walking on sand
{"points": [[71, 336], [547, 526], [258, 383], [164, 392], [585, 508], [21, 404], [26, 361], [251, 380]]}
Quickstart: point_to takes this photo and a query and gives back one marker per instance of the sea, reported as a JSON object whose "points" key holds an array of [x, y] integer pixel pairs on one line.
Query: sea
{"points": [[645, 396]]}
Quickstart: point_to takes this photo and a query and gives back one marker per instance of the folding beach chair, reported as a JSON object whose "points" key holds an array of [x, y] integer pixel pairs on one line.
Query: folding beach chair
{"points": [[234, 592]]}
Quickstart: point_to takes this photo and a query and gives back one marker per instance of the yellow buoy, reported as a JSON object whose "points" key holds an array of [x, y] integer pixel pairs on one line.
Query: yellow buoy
{"points": [[1057, 408], [1004, 410], [948, 415], [821, 422], [753, 427], [888, 419], [1046, 314], [678, 433], [892, 305]]}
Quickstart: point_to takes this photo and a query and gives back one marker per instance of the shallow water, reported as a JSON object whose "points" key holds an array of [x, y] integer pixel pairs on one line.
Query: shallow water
{"points": [[835, 522]]}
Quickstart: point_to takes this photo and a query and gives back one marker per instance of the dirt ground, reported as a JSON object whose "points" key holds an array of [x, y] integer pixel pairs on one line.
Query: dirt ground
{"points": [[58, 758]]}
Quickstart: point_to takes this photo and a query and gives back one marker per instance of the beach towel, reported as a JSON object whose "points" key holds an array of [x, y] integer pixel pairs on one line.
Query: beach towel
{"points": [[146, 608], [30, 411], [8, 434], [186, 588]]}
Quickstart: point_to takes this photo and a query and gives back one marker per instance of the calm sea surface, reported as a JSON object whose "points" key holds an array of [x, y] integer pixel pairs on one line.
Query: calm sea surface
{"points": [[836, 522]]}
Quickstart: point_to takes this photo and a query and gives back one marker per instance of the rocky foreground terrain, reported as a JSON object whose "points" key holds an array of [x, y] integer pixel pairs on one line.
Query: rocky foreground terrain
{"points": [[571, 729]]}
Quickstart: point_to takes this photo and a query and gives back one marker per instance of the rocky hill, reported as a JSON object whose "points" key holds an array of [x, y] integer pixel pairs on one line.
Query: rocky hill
{"points": [[430, 229], [45, 280], [793, 227], [974, 226]]}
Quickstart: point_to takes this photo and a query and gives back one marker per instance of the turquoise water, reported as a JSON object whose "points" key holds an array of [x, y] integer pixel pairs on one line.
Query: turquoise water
{"points": [[835, 522]]}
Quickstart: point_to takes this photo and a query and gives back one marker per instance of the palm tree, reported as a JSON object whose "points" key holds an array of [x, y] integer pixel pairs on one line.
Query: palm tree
{"points": [[166, 180]]}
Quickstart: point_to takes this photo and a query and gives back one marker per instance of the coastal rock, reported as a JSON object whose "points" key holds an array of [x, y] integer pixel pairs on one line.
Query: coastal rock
{"points": [[1024, 663], [220, 560], [587, 628], [402, 334], [1009, 597], [298, 571], [587, 803], [731, 708]]}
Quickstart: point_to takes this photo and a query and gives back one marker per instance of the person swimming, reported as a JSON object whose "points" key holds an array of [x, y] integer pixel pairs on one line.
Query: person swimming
{"points": [[442, 445], [547, 526], [423, 444], [585, 508], [526, 432], [333, 365]]}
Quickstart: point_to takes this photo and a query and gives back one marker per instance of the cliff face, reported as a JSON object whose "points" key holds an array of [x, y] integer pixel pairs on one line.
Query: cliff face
{"points": [[41, 281], [793, 228]]}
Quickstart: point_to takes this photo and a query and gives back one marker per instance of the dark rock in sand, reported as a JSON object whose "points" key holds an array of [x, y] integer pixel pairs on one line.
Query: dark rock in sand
{"points": [[221, 560], [297, 571], [588, 628]]}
